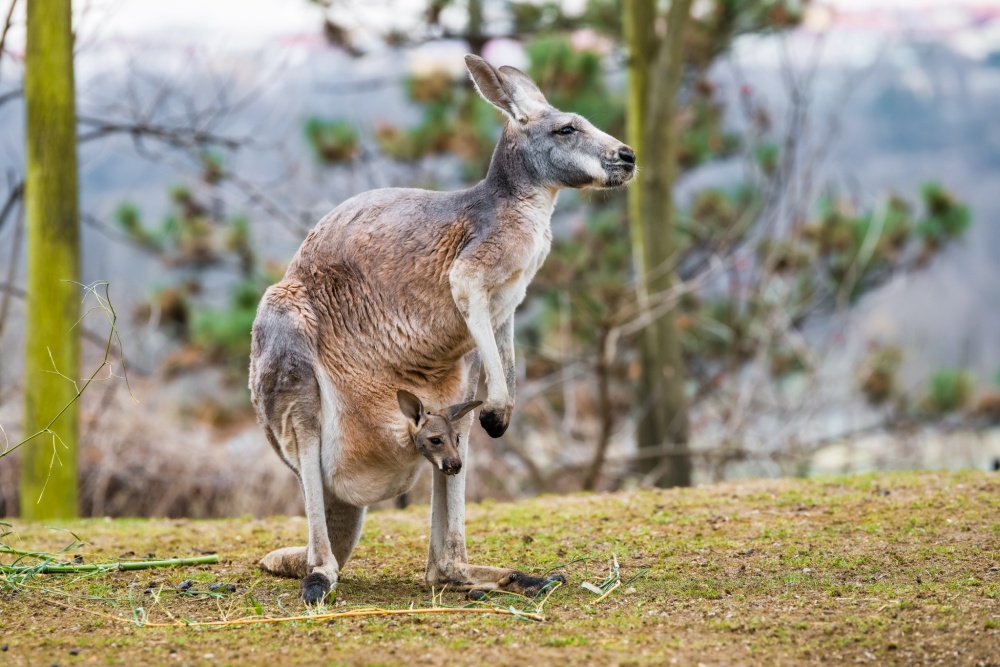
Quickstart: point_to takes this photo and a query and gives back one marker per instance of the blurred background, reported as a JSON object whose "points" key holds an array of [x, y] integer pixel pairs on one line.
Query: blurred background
{"points": [[814, 233]]}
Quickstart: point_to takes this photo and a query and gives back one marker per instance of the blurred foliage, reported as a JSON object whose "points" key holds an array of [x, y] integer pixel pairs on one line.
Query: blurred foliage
{"points": [[795, 270], [711, 32], [194, 238], [224, 333], [702, 137], [792, 272], [879, 373], [332, 141], [945, 218], [454, 122], [949, 391], [784, 271], [573, 80], [594, 260], [537, 18]]}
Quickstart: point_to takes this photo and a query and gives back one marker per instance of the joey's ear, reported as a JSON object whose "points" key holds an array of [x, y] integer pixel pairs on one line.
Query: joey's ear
{"points": [[456, 412], [508, 89], [410, 406]]}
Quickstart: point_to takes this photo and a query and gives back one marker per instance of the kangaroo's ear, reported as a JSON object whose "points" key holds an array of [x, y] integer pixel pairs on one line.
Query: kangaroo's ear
{"points": [[520, 85], [411, 406], [508, 89], [456, 412]]}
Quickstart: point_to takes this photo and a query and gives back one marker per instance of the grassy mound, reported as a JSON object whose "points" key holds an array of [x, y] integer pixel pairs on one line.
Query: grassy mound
{"points": [[896, 568]]}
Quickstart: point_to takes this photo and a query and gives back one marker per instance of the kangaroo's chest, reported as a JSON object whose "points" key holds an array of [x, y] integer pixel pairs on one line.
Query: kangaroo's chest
{"points": [[529, 245]]}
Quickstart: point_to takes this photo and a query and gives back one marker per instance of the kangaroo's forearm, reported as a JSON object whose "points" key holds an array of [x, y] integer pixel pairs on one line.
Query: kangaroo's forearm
{"points": [[504, 336]]}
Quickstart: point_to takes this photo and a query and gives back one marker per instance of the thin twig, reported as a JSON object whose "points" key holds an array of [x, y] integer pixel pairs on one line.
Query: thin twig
{"points": [[13, 198], [104, 304], [6, 27], [316, 617], [179, 137], [15, 249], [608, 592]]}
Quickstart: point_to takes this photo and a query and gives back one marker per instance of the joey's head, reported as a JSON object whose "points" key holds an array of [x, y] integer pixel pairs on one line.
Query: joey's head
{"points": [[435, 434], [544, 145]]}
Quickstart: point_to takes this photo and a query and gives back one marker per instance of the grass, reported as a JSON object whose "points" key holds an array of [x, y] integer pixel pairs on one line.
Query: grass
{"points": [[894, 569]]}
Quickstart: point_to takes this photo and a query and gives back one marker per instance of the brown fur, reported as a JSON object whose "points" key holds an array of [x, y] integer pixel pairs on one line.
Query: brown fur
{"points": [[410, 289]]}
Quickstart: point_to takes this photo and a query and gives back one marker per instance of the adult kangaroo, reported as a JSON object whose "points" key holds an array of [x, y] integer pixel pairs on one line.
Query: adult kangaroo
{"points": [[406, 289]]}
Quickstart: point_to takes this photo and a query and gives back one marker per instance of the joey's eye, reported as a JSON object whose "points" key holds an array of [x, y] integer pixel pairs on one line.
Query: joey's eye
{"points": [[568, 129], [435, 441]]}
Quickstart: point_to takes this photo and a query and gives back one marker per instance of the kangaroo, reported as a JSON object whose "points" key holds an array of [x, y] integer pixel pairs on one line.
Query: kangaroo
{"points": [[433, 433], [413, 289]]}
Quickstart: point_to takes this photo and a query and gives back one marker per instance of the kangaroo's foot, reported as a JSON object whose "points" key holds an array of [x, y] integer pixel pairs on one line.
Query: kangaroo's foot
{"points": [[292, 562], [289, 562], [495, 420], [479, 578], [314, 588]]}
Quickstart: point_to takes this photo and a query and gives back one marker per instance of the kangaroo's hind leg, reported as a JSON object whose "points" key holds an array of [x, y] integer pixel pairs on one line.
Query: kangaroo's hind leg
{"points": [[343, 526], [286, 395]]}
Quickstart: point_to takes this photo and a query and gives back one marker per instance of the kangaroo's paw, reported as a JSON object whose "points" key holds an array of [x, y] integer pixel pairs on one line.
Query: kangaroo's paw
{"points": [[495, 420], [477, 578], [527, 585], [314, 588]]}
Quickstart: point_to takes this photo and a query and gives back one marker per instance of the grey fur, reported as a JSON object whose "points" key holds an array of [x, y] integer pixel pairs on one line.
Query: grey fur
{"points": [[405, 289]]}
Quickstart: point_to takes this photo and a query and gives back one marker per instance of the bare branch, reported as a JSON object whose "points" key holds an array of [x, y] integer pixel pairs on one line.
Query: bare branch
{"points": [[14, 196], [6, 28], [15, 250], [177, 136], [11, 95]]}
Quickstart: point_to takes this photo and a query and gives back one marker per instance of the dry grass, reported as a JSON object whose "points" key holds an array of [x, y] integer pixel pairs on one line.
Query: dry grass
{"points": [[143, 460], [892, 569]]}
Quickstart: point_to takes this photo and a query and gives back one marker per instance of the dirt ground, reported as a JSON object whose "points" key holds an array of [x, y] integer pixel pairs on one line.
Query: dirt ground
{"points": [[885, 569]]}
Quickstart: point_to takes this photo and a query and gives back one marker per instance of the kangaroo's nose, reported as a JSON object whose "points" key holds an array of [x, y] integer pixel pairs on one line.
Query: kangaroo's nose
{"points": [[451, 466], [626, 154]]}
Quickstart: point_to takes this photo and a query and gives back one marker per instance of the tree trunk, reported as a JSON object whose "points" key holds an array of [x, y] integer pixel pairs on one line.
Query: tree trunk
{"points": [[605, 411], [49, 462], [475, 37], [655, 69]]}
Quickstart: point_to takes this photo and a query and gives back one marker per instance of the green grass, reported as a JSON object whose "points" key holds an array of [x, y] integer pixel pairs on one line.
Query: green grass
{"points": [[754, 573]]}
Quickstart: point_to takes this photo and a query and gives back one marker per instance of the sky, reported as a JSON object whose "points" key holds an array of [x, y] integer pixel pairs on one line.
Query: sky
{"points": [[245, 23]]}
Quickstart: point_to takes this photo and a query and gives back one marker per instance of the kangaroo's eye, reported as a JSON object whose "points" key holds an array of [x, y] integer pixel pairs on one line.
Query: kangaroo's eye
{"points": [[435, 441], [569, 129]]}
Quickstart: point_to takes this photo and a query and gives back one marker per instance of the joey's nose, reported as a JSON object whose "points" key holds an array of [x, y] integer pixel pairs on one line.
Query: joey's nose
{"points": [[626, 154], [451, 466]]}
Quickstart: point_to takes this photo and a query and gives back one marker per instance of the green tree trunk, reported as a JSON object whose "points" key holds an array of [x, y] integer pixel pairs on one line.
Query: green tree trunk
{"points": [[53, 261], [655, 69]]}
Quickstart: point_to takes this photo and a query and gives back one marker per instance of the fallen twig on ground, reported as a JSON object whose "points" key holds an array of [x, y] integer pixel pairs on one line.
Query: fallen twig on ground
{"points": [[353, 613], [123, 566]]}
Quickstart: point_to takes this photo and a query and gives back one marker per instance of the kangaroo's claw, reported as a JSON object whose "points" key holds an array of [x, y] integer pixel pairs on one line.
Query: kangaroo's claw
{"points": [[314, 588]]}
